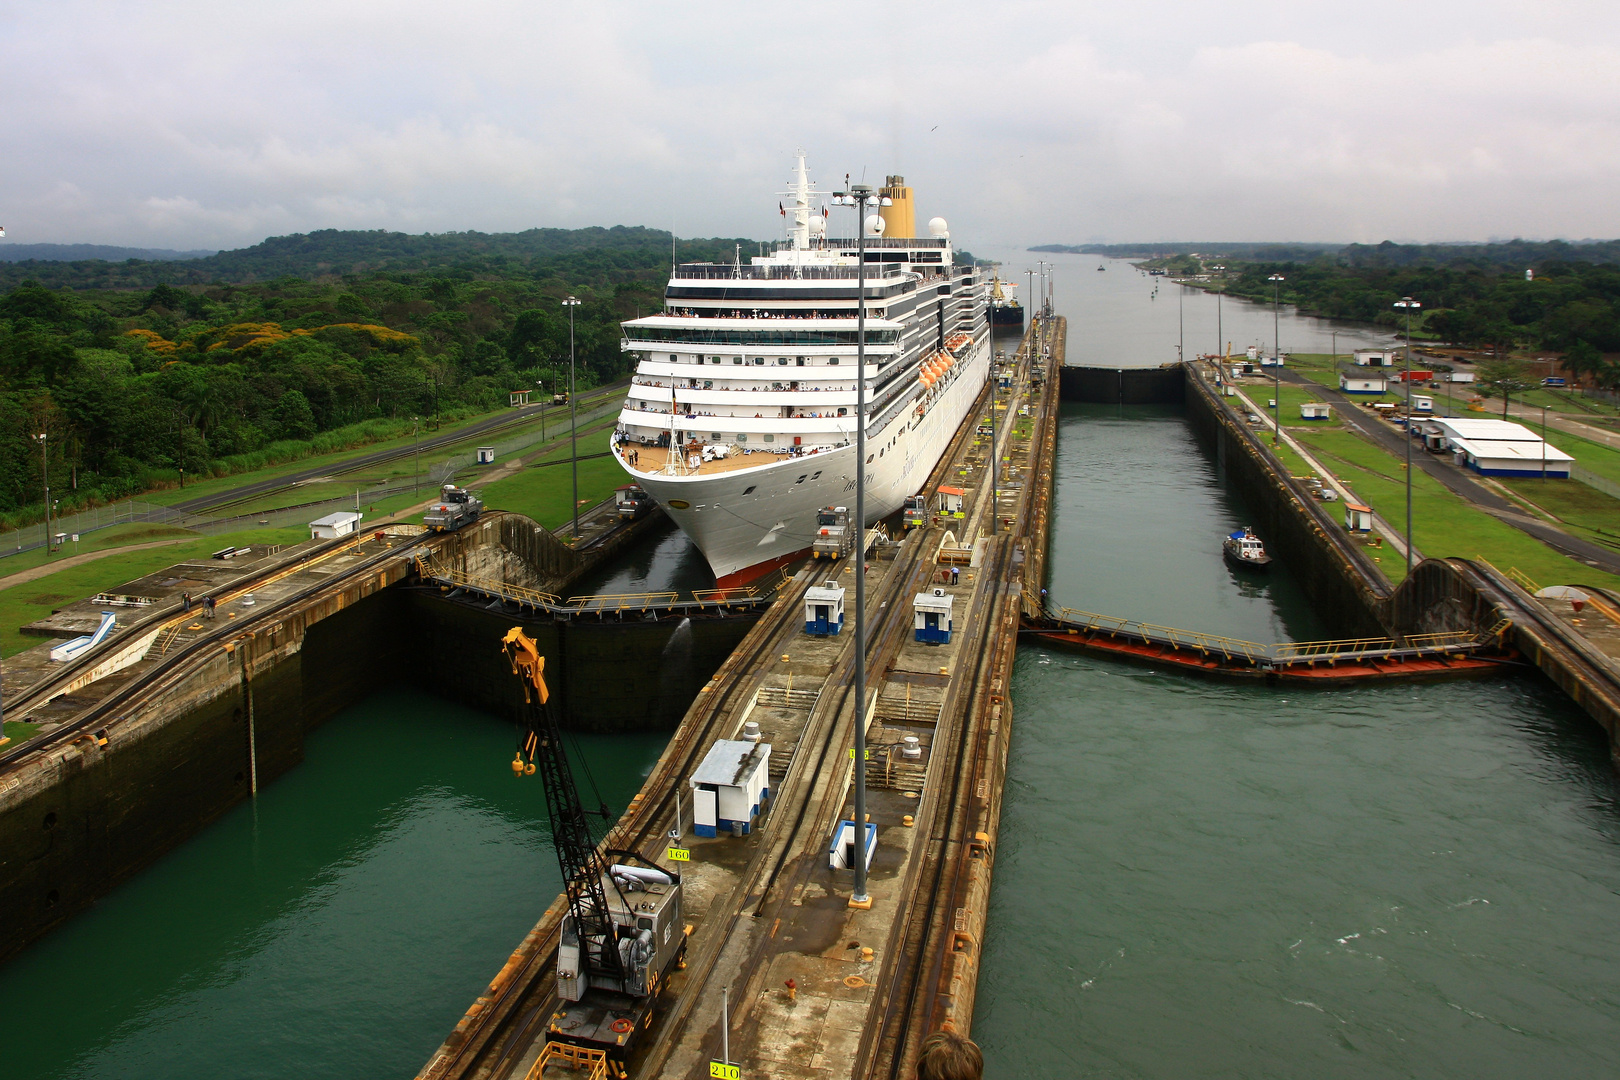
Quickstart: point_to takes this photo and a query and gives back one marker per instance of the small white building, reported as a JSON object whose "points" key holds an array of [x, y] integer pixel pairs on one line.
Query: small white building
{"points": [[1422, 403], [730, 786], [1315, 410], [486, 455], [1376, 357], [932, 617], [1354, 380], [1357, 518], [1500, 448], [824, 609], [333, 526]]}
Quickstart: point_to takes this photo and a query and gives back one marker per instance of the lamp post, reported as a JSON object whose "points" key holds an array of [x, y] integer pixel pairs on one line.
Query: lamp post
{"points": [[1181, 322], [1276, 357], [860, 196], [45, 471], [1030, 295], [573, 412], [1220, 333], [416, 468], [1408, 305], [540, 388]]}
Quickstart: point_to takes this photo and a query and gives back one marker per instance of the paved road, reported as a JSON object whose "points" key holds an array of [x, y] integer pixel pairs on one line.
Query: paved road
{"points": [[246, 491], [1457, 481]]}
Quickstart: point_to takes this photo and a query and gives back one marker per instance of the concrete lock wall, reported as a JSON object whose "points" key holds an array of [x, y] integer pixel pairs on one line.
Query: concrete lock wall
{"points": [[81, 817], [1330, 567], [1122, 386]]}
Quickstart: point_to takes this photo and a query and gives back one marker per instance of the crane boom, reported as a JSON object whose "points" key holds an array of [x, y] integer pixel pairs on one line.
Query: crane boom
{"points": [[583, 870]]}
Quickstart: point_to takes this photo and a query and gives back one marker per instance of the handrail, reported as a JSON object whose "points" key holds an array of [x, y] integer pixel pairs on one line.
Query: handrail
{"points": [[597, 604], [1286, 652], [622, 601]]}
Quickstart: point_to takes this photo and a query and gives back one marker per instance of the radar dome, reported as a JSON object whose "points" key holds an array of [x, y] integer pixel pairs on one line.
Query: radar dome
{"points": [[818, 225], [874, 225], [937, 227]]}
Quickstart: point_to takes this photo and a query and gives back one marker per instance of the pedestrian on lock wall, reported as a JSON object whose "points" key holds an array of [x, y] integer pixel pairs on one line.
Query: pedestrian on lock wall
{"points": [[208, 607], [185, 603]]}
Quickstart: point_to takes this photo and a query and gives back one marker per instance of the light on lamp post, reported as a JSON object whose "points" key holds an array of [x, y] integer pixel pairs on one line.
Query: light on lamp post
{"points": [[573, 412], [1408, 305], [1276, 357], [860, 196]]}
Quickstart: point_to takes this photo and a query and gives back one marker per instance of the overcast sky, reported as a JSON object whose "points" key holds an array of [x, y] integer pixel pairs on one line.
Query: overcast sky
{"points": [[208, 125]]}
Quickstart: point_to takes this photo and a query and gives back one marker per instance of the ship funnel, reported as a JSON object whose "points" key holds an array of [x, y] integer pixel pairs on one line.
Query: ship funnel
{"points": [[900, 219]]}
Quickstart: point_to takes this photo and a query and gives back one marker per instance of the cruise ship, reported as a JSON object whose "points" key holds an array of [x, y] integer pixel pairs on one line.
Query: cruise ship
{"points": [[740, 419]]}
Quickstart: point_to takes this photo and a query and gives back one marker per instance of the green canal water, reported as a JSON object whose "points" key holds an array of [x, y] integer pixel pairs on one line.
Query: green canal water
{"points": [[1200, 879], [338, 928]]}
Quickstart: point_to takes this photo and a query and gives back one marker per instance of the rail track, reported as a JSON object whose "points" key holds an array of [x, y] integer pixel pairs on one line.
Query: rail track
{"points": [[55, 684]]}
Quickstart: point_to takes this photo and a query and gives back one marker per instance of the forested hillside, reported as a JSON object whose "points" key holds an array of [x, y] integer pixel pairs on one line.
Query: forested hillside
{"points": [[242, 358]]}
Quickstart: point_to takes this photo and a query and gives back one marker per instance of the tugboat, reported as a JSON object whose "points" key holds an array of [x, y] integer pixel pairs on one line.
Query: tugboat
{"points": [[1245, 551]]}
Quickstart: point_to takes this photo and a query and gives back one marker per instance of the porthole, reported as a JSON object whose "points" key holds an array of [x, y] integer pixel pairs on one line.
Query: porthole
{"points": [[817, 476], [800, 480], [749, 490], [680, 504]]}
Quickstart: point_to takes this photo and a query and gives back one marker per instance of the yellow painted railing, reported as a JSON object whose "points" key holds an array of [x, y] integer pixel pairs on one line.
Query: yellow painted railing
{"points": [[1287, 652], [623, 601], [589, 1060]]}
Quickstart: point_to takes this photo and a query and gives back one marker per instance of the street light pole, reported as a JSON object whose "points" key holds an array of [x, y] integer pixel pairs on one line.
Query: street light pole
{"points": [[859, 196], [1276, 358], [416, 469], [573, 411], [45, 471], [1409, 305], [1220, 332], [1181, 322]]}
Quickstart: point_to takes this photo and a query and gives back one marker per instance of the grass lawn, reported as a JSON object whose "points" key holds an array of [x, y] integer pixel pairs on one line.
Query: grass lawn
{"points": [[218, 484], [1571, 502], [22, 604], [544, 493], [1603, 460], [135, 532], [1442, 523], [19, 732]]}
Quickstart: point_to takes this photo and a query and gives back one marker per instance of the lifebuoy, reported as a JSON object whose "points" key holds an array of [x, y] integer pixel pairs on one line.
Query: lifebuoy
{"points": [[621, 1025]]}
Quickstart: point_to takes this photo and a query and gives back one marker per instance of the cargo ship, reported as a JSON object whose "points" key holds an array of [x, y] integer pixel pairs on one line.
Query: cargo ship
{"points": [[740, 418], [1005, 311]]}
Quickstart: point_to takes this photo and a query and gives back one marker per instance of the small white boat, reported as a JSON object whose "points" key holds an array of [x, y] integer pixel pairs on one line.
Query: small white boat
{"points": [[1245, 551]]}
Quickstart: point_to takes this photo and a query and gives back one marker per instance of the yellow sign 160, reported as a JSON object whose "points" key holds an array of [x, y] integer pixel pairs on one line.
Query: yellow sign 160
{"points": [[677, 854]]}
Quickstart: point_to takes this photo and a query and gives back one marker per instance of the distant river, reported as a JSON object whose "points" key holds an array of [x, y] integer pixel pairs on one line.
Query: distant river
{"points": [[1120, 317]]}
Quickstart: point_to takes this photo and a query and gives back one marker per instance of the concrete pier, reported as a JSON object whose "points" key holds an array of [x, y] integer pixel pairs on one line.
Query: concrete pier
{"points": [[766, 909]]}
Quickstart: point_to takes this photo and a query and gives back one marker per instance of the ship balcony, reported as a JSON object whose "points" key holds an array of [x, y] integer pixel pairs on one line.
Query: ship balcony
{"points": [[811, 396], [703, 425]]}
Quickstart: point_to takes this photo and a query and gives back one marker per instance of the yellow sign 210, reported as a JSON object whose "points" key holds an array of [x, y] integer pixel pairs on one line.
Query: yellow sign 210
{"points": [[719, 1070]]}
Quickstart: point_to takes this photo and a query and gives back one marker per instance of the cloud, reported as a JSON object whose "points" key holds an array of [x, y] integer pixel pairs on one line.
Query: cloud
{"points": [[184, 125]]}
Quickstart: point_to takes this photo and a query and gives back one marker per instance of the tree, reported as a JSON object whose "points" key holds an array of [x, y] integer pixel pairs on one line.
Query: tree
{"points": [[293, 418], [1504, 377], [1583, 358]]}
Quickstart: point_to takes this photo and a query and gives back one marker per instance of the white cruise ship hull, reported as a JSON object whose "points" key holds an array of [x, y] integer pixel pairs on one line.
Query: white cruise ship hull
{"points": [[750, 521]]}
